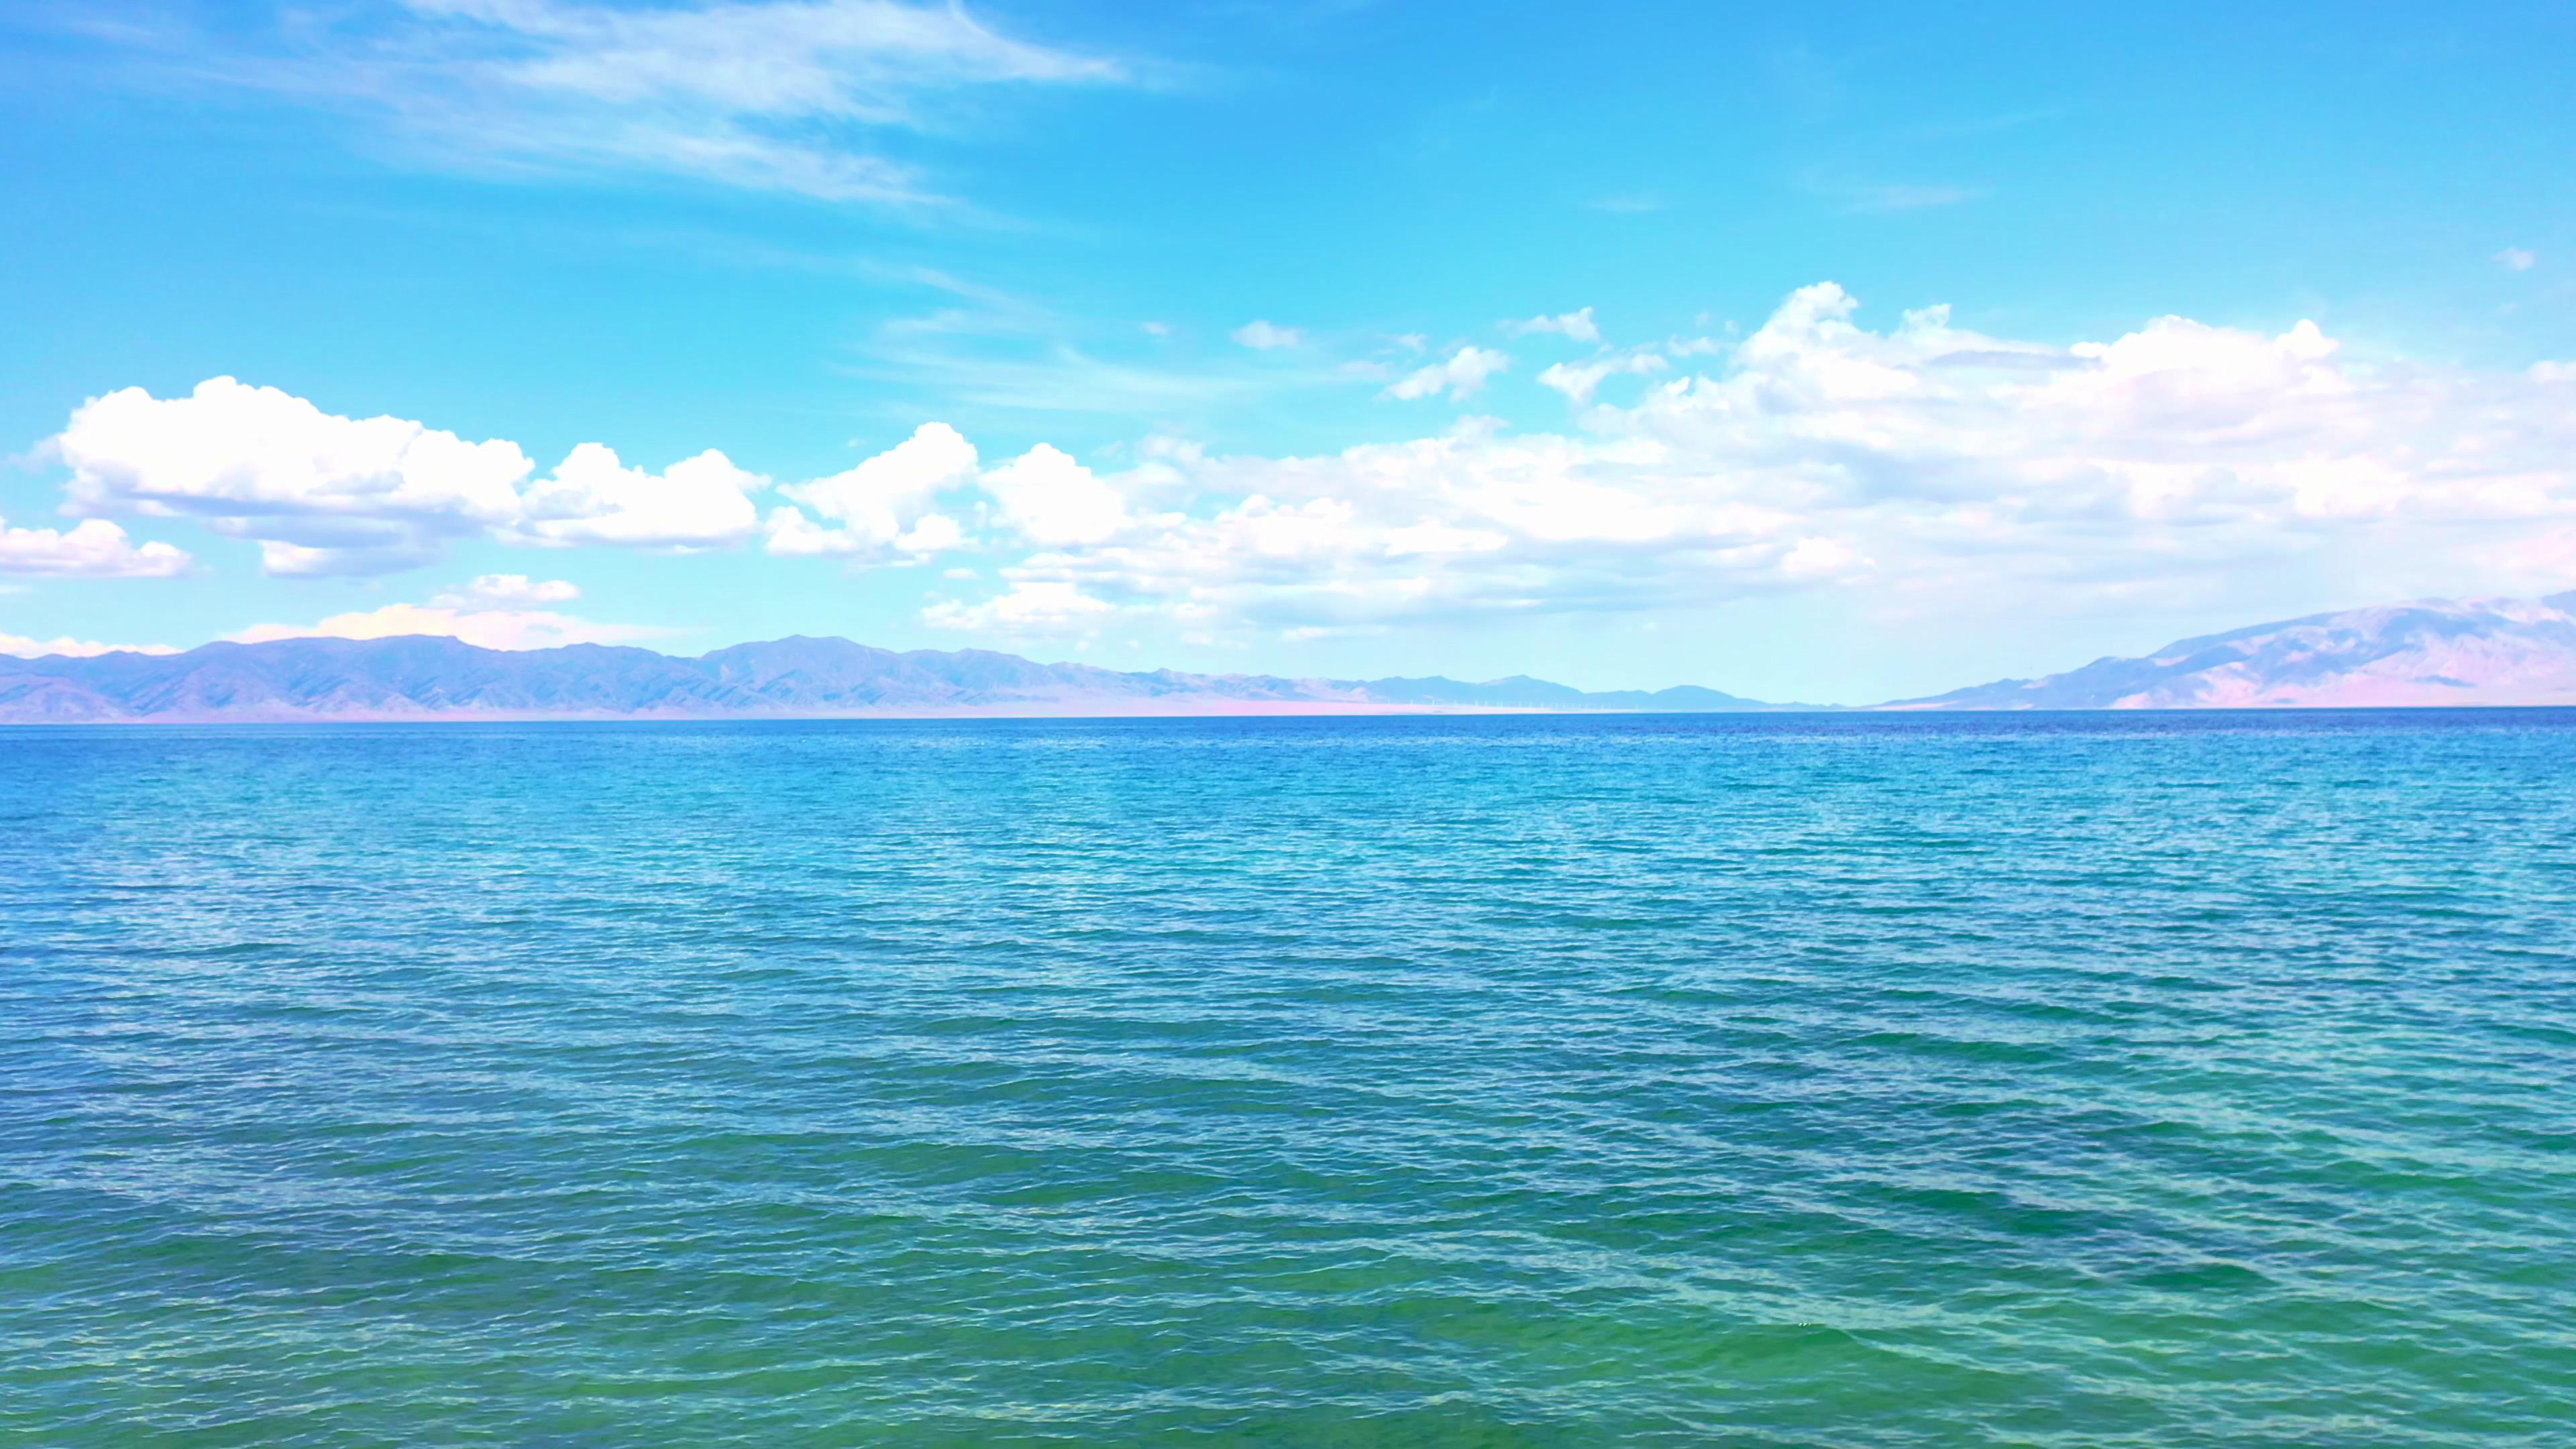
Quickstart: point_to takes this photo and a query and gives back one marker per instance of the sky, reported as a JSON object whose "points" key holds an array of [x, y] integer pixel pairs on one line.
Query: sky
{"points": [[1832, 353]]}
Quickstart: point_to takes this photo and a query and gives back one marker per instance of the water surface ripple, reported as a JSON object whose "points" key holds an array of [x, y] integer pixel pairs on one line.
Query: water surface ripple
{"points": [[1799, 1081]]}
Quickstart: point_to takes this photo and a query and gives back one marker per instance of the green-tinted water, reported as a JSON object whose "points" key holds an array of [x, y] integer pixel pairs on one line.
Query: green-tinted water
{"points": [[1791, 1081]]}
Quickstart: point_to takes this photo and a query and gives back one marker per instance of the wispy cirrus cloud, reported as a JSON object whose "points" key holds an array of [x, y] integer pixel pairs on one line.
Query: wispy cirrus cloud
{"points": [[1031, 372], [1904, 196], [996, 354], [768, 95], [1852, 189]]}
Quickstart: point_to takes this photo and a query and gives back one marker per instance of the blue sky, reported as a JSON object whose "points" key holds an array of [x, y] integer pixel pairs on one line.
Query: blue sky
{"points": [[1603, 345]]}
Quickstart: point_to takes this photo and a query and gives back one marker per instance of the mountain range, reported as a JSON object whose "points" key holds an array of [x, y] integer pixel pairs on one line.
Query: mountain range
{"points": [[2427, 652], [2430, 652], [425, 677]]}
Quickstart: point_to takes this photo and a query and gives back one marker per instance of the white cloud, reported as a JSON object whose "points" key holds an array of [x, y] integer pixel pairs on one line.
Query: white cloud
{"points": [[930, 534], [772, 95], [1263, 336], [1580, 380], [1576, 325], [793, 535], [1822, 558], [1032, 607], [1465, 523], [884, 503], [336, 493], [507, 591], [23, 647], [92, 549], [1462, 376], [326, 494], [854, 59], [489, 628], [2517, 259], [1929, 459], [935, 458], [1934, 461], [699, 502], [1053, 500]]}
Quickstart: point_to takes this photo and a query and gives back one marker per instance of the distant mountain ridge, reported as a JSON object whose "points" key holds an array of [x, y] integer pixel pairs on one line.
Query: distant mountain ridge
{"points": [[427, 677], [2428, 652]]}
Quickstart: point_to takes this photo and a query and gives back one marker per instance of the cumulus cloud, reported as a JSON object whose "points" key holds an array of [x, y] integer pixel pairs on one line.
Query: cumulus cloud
{"points": [[334, 494], [699, 502], [1814, 452], [490, 628], [1466, 523], [793, 535], [93, 549], [1263, 336], [1052, 500], [1580, 380], [1576, 325], [2517, 259], [1461, 376], [327, 494], [883, 505], [935, 458], [1925, 459], [20, 646]]}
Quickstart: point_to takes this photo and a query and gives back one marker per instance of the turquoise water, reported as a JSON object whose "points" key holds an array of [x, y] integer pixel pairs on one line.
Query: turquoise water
{"points": [[2094, 1081]]}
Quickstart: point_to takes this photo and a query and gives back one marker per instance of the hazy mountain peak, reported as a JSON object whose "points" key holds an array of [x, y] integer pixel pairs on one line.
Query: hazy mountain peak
{"points": [[2484, 651]]}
